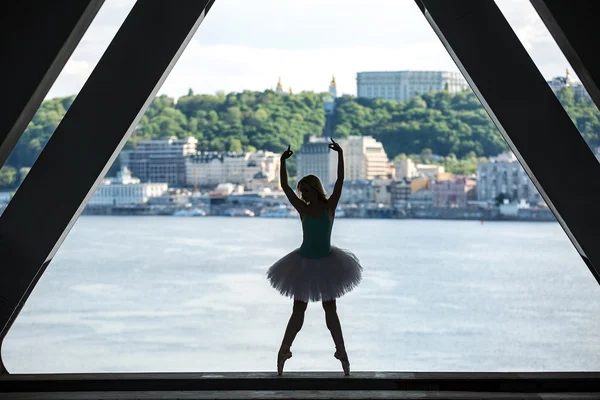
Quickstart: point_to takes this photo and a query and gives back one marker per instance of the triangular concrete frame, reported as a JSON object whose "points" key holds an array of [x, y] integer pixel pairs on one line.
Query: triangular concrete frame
{"points": [[146, 47], [527, 114], [85, 143]]}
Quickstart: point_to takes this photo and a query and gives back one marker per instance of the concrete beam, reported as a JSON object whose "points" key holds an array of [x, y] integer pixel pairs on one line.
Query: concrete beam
{"points": [[527, 113], [38, 37], [88, 140]]}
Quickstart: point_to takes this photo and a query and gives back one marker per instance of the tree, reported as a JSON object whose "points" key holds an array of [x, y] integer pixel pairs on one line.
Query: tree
{"points": [[400, 157], [235, 145], [442, 122], [23, 171], [233, 116], [426, 155], [417, 102], [566, 97], [501, 197], [8, 176]]}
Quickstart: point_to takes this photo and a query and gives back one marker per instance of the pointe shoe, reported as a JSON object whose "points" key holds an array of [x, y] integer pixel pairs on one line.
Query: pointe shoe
{"points": [[343, 357], [282, 357]]}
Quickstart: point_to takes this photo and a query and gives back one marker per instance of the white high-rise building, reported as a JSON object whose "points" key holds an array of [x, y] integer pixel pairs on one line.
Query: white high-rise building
{"points": [[364, 158], [402, 85], [161, 160]]}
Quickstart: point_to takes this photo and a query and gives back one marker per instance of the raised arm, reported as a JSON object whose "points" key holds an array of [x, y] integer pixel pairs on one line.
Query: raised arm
{"points": [[298, 204], [337, 189]]}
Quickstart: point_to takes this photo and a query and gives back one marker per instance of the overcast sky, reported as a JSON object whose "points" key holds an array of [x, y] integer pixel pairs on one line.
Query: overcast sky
{"points": [[248, 44]]}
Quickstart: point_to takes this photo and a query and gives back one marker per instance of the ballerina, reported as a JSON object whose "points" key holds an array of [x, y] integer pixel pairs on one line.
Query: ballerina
{"points": [[316, 271]]}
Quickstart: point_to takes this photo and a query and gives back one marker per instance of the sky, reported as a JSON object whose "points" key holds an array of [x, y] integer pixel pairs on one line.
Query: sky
{"points": [[248, 45]]}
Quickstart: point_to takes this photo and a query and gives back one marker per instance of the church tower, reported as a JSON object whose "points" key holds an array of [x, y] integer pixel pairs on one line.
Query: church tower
{"points": [[279, 89], [329, 106], [333, 88], [568, 80]]}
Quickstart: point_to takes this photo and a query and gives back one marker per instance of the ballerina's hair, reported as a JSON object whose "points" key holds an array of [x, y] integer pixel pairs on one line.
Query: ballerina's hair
{"points": [[314, 182]]}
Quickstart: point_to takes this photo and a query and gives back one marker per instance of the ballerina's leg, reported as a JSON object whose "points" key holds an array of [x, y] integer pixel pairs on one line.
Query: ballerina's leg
{"points": [[293, 327]]}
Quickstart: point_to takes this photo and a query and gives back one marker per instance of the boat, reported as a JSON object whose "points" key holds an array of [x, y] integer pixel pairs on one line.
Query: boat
{"points": [[285, 212], [190, 212], [237, 212], [279, 212]]}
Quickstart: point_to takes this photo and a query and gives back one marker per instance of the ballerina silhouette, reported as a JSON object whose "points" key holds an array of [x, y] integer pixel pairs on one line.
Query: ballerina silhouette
{"points": [[316, 271]]}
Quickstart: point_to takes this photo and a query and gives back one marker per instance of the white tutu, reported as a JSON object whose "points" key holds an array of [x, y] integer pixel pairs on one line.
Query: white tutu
{"points": [[316, 279]]}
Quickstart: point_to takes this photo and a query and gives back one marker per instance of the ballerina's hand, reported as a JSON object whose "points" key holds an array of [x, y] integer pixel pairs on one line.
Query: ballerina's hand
{"points": [[334, 146], [287, 154]]}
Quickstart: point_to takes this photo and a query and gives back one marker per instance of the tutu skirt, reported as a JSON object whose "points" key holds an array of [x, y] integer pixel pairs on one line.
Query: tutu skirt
{"points": [[316, 279]]}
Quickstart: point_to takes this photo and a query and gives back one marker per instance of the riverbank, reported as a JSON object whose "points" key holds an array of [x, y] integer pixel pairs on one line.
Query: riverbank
{"points": [[477, 214]]}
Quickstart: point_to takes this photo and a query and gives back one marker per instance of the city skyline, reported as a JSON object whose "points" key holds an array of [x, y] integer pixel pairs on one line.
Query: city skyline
{"points": [[242, 47]]}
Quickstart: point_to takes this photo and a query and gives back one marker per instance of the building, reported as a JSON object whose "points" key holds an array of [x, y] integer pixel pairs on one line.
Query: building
{"points": [[329, 100], [161, 160], [329, 106], [211, 168], [402, 85], [559, 82], [407, 168], [417, 191], [504, 176], [453, 193], [400, 191], [421, 198], [420, 183], [367, 192], [126, 190], [259, 182], [381, 191], [316, 158], [279, 88], [364, 158], [391, 168], [512, 209]]}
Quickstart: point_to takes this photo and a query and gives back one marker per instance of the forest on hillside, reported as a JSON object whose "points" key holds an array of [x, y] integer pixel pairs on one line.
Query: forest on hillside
{"points": [[453, 126]]}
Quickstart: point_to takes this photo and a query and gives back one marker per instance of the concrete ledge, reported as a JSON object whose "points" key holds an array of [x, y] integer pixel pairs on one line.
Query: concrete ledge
{"points": [[300, 395], [305, 381]]}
